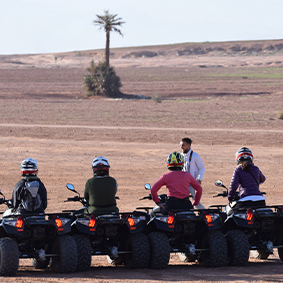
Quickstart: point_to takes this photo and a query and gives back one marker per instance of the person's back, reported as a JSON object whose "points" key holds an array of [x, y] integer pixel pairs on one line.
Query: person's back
{"points": [[29, 194], [177, 183], [246, 178], [100, 190]]}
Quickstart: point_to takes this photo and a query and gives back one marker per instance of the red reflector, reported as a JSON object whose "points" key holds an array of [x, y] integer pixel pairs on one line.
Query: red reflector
{"points": [[170, 219], [91, 222], [250, 215], [20, 222], [131, 221], [58, 222], [208, 218]]}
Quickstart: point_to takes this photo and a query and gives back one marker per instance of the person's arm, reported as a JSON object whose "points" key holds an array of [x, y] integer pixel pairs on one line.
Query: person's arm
{"points": [[86, 191], [15, 195], [261, 177], [233, 185], [201, 168], [43, 195], [155, 188], [197, 187]]}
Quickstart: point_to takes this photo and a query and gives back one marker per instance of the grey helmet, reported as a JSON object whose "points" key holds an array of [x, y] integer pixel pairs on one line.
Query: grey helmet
{"points": [[29, 167]]}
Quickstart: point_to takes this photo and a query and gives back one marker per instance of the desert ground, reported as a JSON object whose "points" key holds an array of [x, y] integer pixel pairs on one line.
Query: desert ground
{"points": [[221, 95]]}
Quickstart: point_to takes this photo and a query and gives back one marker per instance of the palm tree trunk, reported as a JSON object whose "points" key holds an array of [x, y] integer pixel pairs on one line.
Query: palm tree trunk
{"points": [[107, 48]]}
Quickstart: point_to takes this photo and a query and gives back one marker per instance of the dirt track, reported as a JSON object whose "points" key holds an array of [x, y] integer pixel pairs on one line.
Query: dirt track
{"points": [[47, 118]]}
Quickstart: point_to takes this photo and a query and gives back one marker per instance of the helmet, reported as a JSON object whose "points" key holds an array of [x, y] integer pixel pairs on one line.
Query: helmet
{"points": [[100, 163], [244, 154], [29, 167], [175, 160]]}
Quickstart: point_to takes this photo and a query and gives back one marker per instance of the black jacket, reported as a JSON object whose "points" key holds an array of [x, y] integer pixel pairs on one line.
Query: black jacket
{"points": [[18, 195]]}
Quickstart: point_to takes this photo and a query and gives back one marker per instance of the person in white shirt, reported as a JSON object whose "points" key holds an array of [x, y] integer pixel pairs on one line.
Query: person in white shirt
{"points": [[193, 164]]}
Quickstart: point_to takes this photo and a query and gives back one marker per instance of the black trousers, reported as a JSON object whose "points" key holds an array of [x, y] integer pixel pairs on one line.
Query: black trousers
{"points": [[173, 203]]}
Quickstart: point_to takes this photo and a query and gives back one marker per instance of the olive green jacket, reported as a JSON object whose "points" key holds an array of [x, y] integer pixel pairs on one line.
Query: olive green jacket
{"points": [[100, 194]]}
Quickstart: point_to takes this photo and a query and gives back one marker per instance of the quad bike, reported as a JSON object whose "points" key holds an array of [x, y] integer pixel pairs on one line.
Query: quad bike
{"points": [[41, 237], [119, 236], [255, 229], [194, 234]]}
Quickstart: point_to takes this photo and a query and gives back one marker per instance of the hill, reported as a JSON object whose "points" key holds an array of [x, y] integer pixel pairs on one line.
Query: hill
{"points": [[246, 52]]}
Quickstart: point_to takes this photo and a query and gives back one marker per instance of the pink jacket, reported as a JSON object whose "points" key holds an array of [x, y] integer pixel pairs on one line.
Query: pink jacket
{"points": [[177, 184]]}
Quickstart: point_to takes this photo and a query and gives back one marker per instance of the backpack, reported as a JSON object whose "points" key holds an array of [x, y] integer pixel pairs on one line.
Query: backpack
{"points": [[31, 200]]}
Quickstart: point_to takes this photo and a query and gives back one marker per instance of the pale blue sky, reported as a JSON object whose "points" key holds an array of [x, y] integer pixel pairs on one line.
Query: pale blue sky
{"points": [[44, 26]]}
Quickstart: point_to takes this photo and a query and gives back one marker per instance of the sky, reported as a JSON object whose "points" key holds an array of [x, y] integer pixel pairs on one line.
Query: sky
{"points": [[48, 26]]}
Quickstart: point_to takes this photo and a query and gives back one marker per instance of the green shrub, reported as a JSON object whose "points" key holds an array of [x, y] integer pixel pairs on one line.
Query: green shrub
{"points": [[280, 116], [102, 80]]}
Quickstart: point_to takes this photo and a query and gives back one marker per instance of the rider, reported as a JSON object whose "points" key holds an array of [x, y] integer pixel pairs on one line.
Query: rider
{"points": [[29, 194], [101, 189], [247, 178], [177, 183]]}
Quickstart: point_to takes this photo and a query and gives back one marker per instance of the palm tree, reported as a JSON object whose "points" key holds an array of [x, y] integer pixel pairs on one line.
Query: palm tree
{"points": [[108, 22]]}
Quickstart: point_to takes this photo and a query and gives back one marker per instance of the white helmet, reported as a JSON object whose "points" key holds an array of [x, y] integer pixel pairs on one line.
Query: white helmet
{"points": [[100, 163], [29, 167]]}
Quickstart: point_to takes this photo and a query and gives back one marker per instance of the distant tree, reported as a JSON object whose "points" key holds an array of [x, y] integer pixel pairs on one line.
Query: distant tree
{"points": [[109, 23], [102, 80]]}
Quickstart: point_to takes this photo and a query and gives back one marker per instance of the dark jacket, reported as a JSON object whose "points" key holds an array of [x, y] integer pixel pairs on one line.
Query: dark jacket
{"points": [[245, 182], [18, 195], [100, 194]]}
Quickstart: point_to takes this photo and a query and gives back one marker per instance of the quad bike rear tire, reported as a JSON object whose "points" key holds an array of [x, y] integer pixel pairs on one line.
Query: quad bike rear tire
{"points": [[238, 248], [9, 257], [216, 243], [83, 251], [140, 251], [67, 260], [159, 250]]}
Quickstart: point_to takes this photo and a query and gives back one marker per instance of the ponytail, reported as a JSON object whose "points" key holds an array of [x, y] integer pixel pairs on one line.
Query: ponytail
{"points": [[246, 166]]}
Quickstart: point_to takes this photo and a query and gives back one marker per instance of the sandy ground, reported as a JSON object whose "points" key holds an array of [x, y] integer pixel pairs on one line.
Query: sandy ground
{"points": [[45, 115]]}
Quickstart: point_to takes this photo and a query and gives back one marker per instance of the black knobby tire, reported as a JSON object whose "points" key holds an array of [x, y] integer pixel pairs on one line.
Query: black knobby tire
{"points": [[40, 264], [216, 243], [67, 260], [83, 251], [186, 257], [9, 257], [238, 248], [260, 254], [140, 251], [159, 250]]}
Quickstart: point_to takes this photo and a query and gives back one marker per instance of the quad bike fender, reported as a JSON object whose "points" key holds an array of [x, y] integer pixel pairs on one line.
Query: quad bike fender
{"points": [[157, 225], [78, 226], [234, 220]]}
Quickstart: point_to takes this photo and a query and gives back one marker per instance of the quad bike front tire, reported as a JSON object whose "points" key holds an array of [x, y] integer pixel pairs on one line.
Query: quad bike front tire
{"points": [[238, 248], [65, 247], [140, 251], [216, 255], [9, 257], [83, 251], [159, 250]]}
